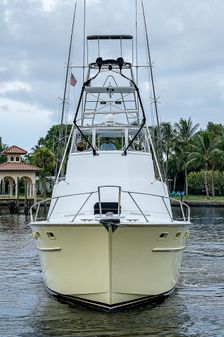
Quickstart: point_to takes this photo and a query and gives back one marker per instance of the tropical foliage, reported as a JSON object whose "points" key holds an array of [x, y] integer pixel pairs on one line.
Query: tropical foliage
{"points": [[53, 145], [215, 181], [193, 158], [44, 158], [204, 153], [2, 148], [189, 152]]}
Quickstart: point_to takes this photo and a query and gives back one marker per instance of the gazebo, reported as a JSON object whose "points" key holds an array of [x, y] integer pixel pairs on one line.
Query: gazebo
{"points": [[16, 172]]}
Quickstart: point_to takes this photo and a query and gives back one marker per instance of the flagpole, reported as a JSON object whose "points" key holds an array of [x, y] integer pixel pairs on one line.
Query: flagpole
{"points": [[61, 128]]}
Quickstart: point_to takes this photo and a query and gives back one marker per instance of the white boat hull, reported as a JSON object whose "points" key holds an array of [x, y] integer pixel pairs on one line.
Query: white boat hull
{"points": [[109, 269]]}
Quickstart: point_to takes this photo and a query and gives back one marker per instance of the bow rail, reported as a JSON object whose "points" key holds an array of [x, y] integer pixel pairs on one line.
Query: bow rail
{"points": [[36, 211]]}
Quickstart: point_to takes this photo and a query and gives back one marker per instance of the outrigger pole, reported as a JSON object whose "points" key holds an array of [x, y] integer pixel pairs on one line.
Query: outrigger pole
{"points": [[155, 99], [136, 39], [61, 127]]}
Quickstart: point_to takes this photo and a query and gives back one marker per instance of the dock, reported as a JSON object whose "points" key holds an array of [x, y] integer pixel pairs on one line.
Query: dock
{"points": [[15, 206]]}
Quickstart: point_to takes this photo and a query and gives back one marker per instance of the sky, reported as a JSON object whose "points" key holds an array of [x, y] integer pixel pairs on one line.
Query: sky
{"points": [[186, 43]]}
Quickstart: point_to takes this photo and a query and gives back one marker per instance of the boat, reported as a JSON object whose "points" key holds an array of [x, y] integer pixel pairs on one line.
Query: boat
{"points": [[110, 239]]}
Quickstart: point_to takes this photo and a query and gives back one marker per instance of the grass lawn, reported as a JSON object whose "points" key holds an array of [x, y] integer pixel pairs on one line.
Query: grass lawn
{"points": [[201, 198]]}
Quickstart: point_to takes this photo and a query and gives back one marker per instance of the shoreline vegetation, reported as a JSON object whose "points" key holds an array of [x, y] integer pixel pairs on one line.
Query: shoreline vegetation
{"points": [[193, 159], [202, 200]]}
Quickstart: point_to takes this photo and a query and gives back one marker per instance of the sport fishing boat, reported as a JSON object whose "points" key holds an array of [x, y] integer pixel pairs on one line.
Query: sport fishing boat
{"points": [[110, 239]]}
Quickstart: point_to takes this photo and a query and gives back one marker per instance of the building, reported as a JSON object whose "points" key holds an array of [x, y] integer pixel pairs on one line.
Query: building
{"points": [[17, 175]]}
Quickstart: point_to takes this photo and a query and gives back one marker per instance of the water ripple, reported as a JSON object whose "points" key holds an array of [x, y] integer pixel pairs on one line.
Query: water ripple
{"points": [[196, 309]]}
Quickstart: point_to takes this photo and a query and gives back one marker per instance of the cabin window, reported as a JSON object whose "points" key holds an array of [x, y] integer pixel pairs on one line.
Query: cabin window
{"points": [[17, 158], [80, 144], [139, 143], [12, 159], [110, 144], [163, 235], [109, 138], [178, 235], [51, 235], [36, 235], [187, 235]]}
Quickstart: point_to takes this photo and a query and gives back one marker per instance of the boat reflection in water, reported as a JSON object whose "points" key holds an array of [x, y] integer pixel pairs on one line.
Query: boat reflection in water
{"points": [[110, 239]]}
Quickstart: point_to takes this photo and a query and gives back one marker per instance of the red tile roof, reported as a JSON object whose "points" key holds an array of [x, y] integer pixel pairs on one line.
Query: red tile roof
{"points": [[22, 166], [14, 150]]}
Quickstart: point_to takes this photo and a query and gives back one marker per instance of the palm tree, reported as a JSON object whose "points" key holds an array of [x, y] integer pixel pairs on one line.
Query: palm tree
{"points": [[168, 136], [185, 133], [175, 165], [205, 150], [156, 139], [215, 131]]}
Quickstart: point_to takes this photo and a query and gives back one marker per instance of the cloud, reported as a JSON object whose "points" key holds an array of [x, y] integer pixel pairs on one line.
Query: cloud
{"points": [[186, 45], [49, 5], [23, 124], [14, 87]]}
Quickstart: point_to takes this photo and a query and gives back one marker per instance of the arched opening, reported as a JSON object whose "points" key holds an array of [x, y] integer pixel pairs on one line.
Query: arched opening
{"points": [[8, 187], [26, 187]]}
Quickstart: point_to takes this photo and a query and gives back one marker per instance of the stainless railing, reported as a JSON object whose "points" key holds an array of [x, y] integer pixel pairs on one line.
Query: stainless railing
{"points": [[35, 210]]}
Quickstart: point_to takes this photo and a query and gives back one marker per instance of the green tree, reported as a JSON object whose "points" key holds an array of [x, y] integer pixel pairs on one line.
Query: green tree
{"points": [[157, 143], [186, 130], [45, 159], [2, 148], [203, 152], [51, 140], [216, 131], [196, 181], [168, 134]]}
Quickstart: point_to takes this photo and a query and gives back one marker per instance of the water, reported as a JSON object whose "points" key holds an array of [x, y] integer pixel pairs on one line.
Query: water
{"points": [[196, 309]]}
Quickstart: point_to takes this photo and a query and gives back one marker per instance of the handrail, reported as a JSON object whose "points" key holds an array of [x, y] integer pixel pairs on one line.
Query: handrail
{"points": [[181, 203], [130, 193], [171, 217], [138, 206], [37, 204], [119, 197], [56, 201], [82, 206]]}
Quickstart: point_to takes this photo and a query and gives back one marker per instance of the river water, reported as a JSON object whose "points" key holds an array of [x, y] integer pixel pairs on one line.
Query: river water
{"points": [[196, 309]]}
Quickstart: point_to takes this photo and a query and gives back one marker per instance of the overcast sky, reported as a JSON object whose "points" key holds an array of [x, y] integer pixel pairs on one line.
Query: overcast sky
{"points": [[186, 39]]}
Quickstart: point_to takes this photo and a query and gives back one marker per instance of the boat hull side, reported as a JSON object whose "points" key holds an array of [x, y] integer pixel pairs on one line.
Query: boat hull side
{"points": [[88, 263]]}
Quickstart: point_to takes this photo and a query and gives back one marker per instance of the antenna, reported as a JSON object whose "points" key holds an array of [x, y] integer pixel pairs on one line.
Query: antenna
{"points": [[158, 141], [61, 127], [136, 39], [84, 39], [84, 47]]}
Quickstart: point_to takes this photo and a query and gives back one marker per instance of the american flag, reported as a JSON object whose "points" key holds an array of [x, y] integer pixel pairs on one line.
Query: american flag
{"points": [[73, 80]]}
